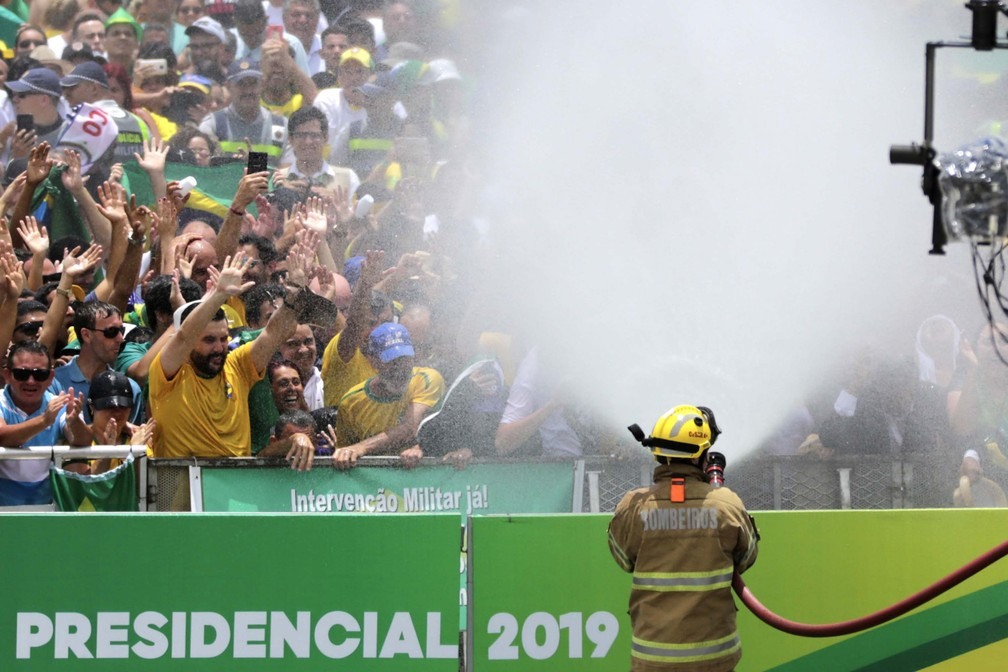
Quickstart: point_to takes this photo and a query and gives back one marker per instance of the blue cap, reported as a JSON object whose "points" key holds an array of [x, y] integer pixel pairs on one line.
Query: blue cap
{"points": [[390, 341], [89, 71], [37, 80], [242, 69]]}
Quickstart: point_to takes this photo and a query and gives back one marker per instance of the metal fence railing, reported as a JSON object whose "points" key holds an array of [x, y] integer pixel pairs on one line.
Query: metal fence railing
{"points": [[787, 483]]}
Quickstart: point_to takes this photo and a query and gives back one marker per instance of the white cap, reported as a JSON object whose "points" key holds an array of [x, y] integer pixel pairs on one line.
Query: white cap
{"points": [[181, 310], [972, 453]]}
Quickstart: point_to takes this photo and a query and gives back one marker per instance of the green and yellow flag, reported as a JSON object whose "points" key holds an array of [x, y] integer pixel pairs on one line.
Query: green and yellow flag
{"points": [[115, 490], [215, 186]]}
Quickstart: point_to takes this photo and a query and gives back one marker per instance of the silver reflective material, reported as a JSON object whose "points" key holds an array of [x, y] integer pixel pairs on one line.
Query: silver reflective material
{"points": [[974, 186]]}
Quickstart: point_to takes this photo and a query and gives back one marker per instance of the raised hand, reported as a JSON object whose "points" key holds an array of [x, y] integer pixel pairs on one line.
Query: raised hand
{"points": [[228, 280], [175, 297], [12, 192], [13, 275], [154, 156], [74, 403], [110, 436], [249, 187], [315, 218], [71, 177], [166, 223], [76, 264], [298, 266], [55, 405], [39, 163], [24, 140], [175, 194], [326, 282], [143, 434], [373, 268], [112, 203], [183, 261], [35, 238]]}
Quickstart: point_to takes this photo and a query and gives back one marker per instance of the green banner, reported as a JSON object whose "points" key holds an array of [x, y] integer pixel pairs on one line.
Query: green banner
{"points": [[560, 604], [200, 593], [478, 489]]}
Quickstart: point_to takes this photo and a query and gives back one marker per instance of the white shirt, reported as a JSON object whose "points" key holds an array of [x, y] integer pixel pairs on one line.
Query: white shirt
{"points": [[530, 392], [313, 392], [340, 115], [344, 177]]}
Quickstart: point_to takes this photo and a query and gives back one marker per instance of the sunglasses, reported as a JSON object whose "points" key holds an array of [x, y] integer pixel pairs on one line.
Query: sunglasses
{"points": [[22, 375], [110, 332], [28, 44], [29, 327], [190, 10]]}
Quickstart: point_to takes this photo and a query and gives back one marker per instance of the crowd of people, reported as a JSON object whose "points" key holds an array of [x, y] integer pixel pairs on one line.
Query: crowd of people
{"points": [[311, 293], [319, 303], [942, 402]]}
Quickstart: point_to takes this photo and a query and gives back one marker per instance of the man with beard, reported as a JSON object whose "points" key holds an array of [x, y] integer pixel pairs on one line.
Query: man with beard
{"points": [[381, 415], [199, 390]]}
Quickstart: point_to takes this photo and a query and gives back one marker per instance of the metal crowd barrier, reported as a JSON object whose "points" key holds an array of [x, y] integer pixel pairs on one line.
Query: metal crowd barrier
{"points": [[789, 483]]}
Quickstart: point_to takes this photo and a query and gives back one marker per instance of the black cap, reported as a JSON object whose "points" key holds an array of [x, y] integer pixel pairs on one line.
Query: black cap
{"points": [[110, 389]]}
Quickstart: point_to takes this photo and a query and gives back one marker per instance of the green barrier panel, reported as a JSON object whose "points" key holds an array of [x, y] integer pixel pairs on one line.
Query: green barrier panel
{"points": [[561, 603], [484, 488], [193, 593]]}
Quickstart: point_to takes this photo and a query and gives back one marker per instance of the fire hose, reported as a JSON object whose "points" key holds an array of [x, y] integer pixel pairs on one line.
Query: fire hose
{"points": [[873, 619]]}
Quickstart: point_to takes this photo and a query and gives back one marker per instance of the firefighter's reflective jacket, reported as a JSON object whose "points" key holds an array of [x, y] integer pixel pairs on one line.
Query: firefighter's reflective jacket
{"points": [[682, 539]]}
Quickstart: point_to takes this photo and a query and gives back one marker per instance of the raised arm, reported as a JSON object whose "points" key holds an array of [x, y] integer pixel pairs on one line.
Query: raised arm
{"points": [[284, 321], [112, 206], [39, 165], [12, 281], [100, 228], [36, 240], [153, 163], [127, 274], [356, 330], [228, 283], [75, 266], [230, 232]]}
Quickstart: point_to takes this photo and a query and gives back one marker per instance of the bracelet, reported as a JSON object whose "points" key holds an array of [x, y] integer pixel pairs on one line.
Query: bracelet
{"points": [[136, 241], [237, 213], [65, 293]]}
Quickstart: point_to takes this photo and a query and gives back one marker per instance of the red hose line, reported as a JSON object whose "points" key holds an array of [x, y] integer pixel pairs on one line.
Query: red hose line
{"points": [[870, 620]]}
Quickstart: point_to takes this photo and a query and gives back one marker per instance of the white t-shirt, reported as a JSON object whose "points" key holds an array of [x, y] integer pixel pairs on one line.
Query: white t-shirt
{"points": [[340, 115]]}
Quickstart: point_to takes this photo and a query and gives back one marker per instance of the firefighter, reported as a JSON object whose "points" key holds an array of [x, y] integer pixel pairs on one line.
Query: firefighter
{"points": [[682, 539]]}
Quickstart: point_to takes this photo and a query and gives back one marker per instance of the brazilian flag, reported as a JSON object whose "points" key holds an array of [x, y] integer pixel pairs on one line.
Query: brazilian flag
{"points": [[115, 490], [214, 191]]}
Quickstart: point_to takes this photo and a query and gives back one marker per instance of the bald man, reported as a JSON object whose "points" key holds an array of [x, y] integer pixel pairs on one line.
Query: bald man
{"points": [[202, 256]]}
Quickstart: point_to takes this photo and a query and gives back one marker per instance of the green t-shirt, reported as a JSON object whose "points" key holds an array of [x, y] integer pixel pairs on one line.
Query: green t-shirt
{"points": [[263, 413]]}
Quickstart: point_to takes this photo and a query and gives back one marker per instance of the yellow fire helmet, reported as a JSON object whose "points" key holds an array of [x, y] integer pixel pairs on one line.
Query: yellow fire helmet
{"points": [[684, 432]]}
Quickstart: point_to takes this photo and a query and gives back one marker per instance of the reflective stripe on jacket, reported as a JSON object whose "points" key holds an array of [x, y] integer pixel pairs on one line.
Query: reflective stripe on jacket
{"points": [[682, 556]]}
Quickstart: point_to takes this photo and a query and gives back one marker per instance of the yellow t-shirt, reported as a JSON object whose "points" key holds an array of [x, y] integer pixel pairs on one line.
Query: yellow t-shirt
{"points": [[203, 417], [339, 376], [166, 128], [362, 414]]}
